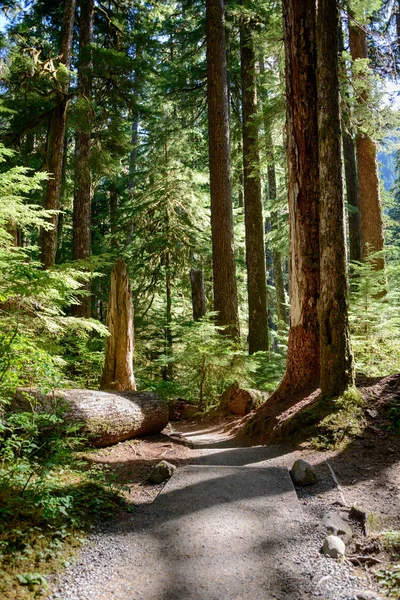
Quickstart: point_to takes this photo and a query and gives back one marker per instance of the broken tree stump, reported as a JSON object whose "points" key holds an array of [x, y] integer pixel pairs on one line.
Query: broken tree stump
{"points": [[118, 364]]}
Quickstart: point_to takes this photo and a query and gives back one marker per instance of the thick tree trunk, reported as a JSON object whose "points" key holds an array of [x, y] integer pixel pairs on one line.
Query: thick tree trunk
{"points": [[303, 365], [224, 270], [336, 357], [81, 248], [107, 417], [52, 200], [253, 211], [372, 239], [198, 295], [118, 365]]}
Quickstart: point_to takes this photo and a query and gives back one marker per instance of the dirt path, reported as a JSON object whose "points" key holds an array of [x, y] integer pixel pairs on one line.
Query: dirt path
{"points": [[228, 525]]}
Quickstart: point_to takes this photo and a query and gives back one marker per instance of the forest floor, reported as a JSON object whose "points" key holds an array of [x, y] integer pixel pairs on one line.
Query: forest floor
{"points": [[365, 472]]}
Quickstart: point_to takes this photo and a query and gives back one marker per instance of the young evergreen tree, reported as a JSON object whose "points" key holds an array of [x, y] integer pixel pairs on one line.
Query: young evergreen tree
{"points": [[224, 271], [253, 211], [336, 357]]}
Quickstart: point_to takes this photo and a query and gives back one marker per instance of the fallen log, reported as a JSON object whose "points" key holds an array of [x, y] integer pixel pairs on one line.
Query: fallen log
{"points": [[106, 417]]}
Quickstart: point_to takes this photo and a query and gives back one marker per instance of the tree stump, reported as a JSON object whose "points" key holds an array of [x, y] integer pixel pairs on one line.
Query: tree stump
{"points": [[106, 417], [118, 365]]}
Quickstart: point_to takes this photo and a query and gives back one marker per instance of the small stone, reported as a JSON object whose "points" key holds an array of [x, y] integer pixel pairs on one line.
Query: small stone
{"points": [[366, 595], [334, 546], [303, 473], [333, 524], [162, 472]]}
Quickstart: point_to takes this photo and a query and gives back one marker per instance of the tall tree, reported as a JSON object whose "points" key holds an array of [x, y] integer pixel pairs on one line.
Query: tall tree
{"points": [[303, 363], [372, 239], [55, 167], [253, 211], [336, 357], [81, 248], [224, 272], [350, 169]]}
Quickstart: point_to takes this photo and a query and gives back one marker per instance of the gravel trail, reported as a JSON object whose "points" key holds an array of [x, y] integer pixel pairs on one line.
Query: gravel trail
{"points": [[229, 527]]}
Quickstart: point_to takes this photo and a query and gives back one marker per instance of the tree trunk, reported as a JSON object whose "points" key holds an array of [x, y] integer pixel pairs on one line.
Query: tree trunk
{"points": [[198, 295], [350, 169], [272, 195], [52, 200], [302, 365], [253, 210], [368, 176], [224, 270], [118, 365], [107, 417], [336, 357], [113, 214], [81, 248]]}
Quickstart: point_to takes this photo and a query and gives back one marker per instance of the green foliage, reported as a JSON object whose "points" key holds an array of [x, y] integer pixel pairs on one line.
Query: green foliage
{"points": [[47, 495], [374, 316], [205, 362], [389, 576]]}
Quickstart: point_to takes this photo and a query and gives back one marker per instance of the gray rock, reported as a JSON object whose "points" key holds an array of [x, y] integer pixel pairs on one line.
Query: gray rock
{"points": [[303, 473], [366, 595], [334, 546], [162, 472], [333, 524]]}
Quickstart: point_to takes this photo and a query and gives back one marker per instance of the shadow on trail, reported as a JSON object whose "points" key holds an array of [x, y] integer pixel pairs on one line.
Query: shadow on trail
{"points": [[214, 533]]}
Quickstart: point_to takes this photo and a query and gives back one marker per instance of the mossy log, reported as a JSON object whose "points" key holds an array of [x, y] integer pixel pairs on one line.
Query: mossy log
{"points": [[106, 417]]}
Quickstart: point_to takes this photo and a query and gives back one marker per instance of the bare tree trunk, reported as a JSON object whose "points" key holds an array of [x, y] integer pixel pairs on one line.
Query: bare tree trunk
{"points": [[368, 177], [113, 213], [350, 169], [337, 372], [224, 270], [303, 364], [118, 365], [272, 195], [52, 200], [198, 295], [253, 210], [81, 249]]}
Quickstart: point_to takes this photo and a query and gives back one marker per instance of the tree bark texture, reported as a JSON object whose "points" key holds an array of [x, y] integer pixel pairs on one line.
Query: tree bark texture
{"points": [[337, 372], [372, 239], [198, 295], [106, 417], [224, 270], [52, 200], [81, 248], [118, 365], [303, 365], [253, 210]]}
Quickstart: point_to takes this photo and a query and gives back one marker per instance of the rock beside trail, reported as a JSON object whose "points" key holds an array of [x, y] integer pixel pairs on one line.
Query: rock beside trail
{"points": [[162, 472], [240, 401], [333, 524], [303, 473], [334, 546]]}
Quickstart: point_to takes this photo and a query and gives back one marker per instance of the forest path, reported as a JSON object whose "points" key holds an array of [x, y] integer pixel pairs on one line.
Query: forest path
{"points": [[227, 526]]}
